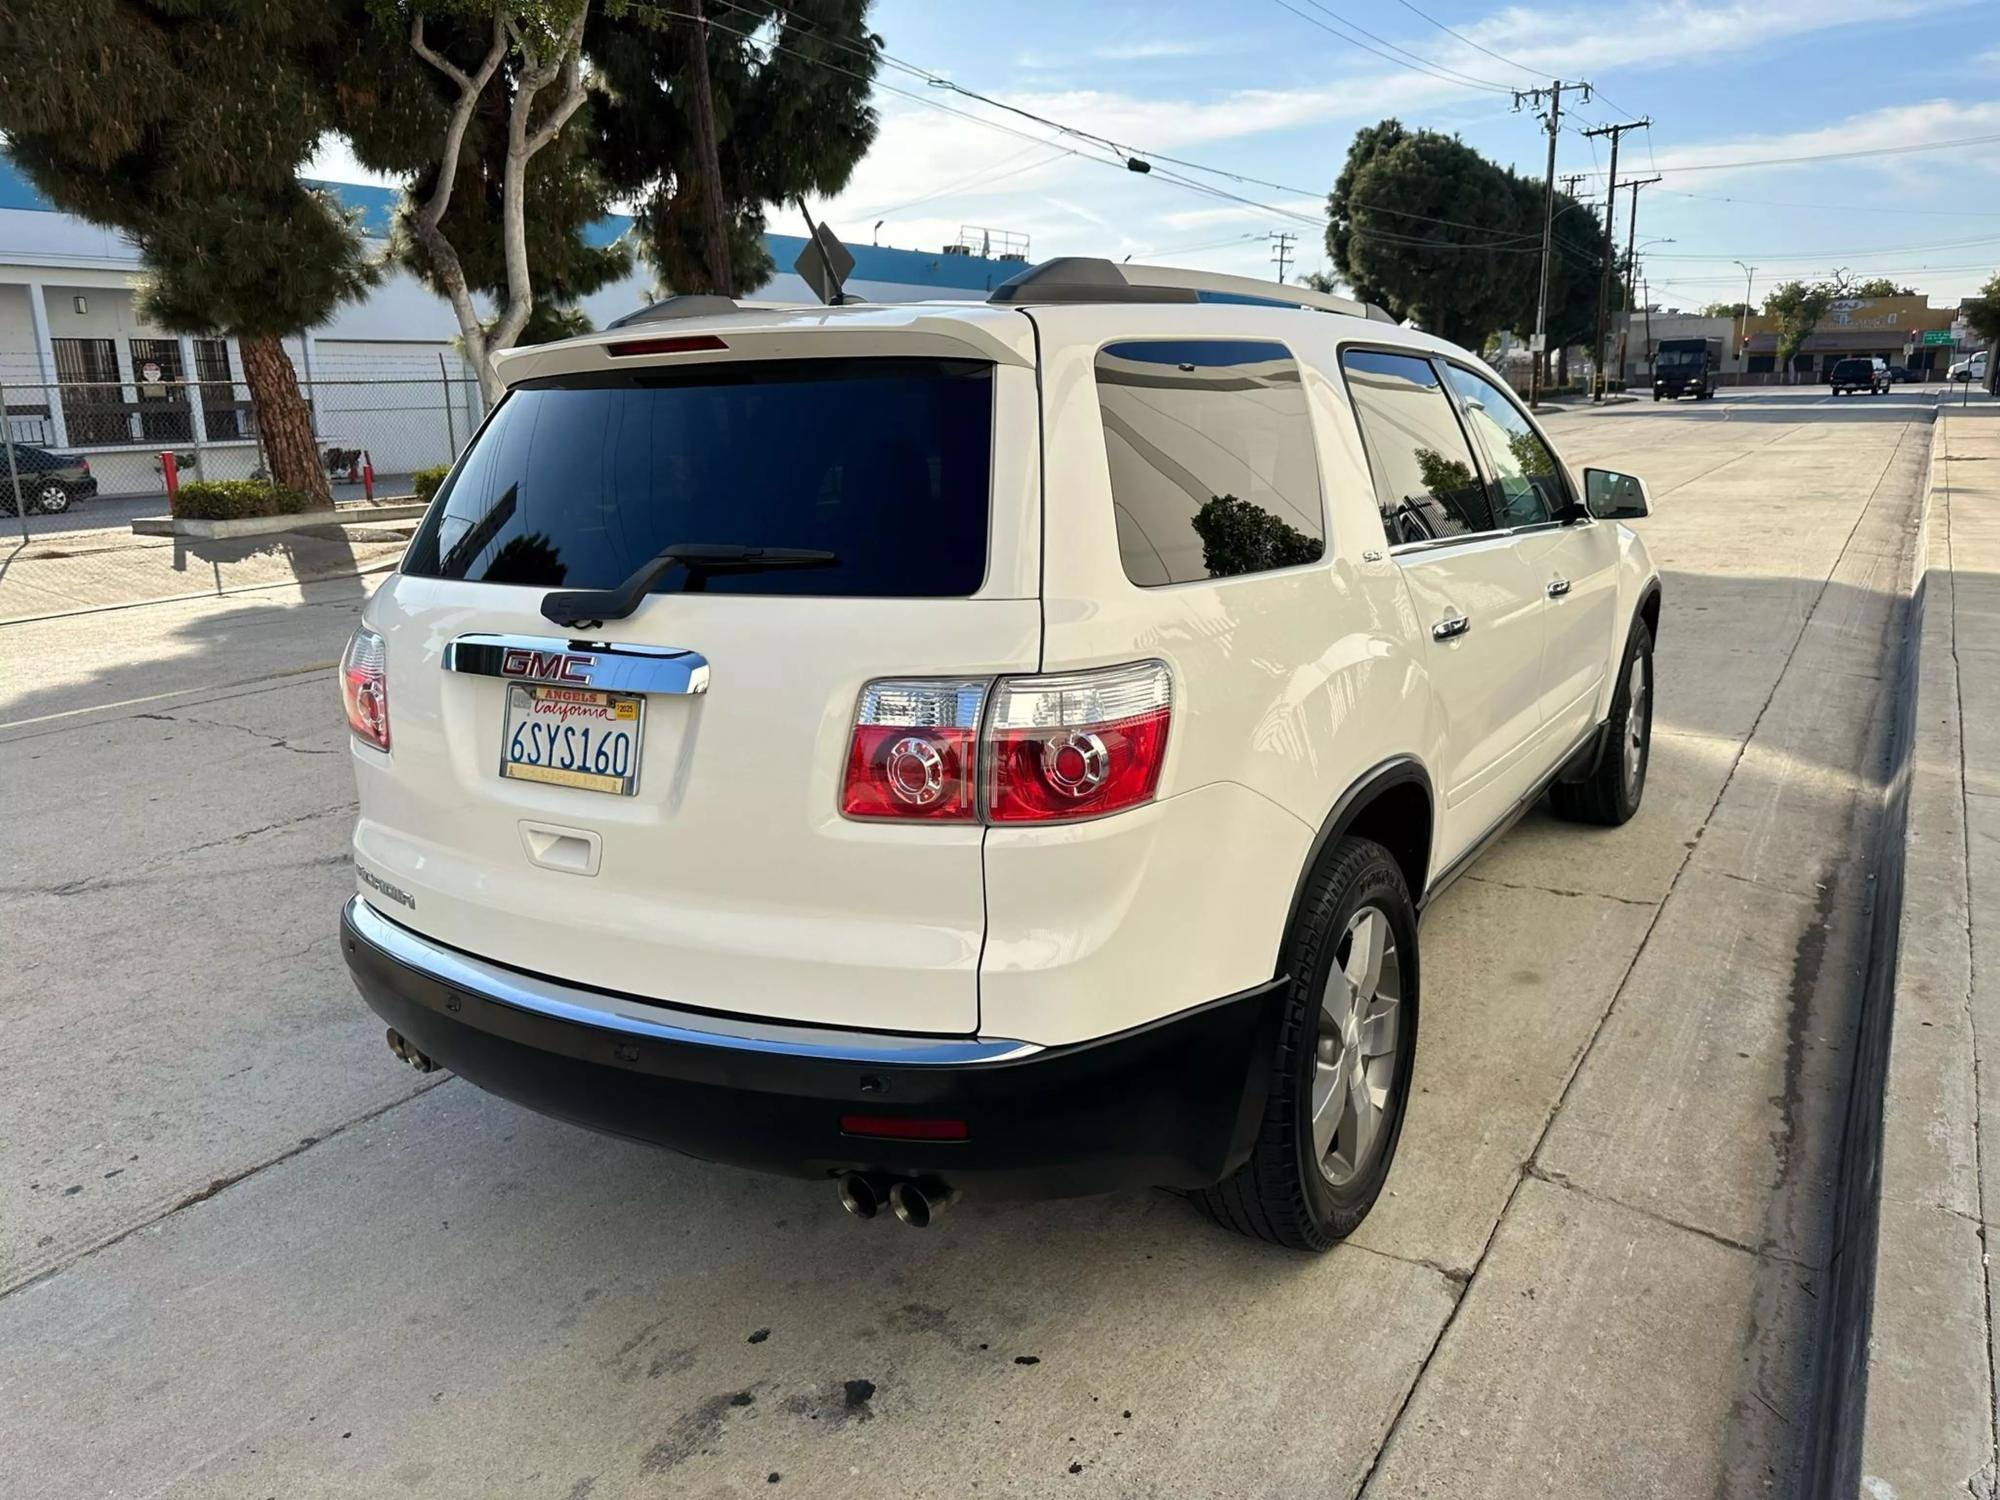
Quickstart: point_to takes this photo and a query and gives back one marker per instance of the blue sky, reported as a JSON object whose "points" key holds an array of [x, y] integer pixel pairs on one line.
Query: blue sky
{"points": [[1266, 89]]}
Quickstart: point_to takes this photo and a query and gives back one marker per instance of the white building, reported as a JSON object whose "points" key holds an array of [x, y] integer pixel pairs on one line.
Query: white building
{"points": [[83, 371]]}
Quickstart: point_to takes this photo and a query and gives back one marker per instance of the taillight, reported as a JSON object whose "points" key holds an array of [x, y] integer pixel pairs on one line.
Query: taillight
{"points": [[915, 751], [364, 687], [1050, 749], [1078, 745]]}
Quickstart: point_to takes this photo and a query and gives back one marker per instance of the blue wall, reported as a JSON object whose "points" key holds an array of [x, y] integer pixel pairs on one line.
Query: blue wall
{"points": [[879, 263]]}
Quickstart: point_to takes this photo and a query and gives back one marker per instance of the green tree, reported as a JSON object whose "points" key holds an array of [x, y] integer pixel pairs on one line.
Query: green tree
{"points": [[1796, 307], [1881, 286], [1426, 226], [789, 84], [183, 124], [1238, 537], [1727, 310], [474, 103]]}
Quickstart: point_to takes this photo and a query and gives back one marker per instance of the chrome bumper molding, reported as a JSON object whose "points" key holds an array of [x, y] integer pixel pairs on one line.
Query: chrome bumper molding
{"points": [[620, 1013]]}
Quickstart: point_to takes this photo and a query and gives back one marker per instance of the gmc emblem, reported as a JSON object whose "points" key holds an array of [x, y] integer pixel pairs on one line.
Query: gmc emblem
{"points": [[546, 666]]}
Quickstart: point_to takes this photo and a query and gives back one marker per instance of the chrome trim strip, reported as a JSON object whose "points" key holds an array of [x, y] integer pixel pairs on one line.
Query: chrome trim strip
{"points": [[604, 665], [609, 1012]]}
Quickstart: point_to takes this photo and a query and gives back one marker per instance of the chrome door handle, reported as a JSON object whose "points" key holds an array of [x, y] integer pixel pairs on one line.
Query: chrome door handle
{"points": [[1558, 587], [1451, 626]]}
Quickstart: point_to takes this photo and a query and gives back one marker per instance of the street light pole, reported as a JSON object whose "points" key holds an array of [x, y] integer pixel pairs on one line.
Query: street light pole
{"points": [[1743, 339]]}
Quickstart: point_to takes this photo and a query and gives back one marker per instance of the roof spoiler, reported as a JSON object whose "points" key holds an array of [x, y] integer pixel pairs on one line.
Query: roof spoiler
{"points": [[687, 305], [1090, 278]]}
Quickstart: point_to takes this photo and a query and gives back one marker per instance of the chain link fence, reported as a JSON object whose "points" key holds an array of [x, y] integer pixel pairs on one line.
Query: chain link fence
{"points": [[82, 456], [81, 461]]}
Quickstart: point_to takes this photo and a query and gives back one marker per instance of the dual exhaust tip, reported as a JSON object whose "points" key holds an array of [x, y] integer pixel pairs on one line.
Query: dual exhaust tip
{"points": [[403, 1048], [917, 1201]]}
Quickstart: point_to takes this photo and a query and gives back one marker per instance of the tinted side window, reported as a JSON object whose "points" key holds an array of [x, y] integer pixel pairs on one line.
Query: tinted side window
{"points": [[1527, 480], [1213, 472], [1425, 479]]}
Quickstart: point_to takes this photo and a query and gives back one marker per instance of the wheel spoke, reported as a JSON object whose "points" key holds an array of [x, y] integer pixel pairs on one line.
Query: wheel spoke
{"points": [[1328, 1100], [1366, 937], [1365, 1116], [1377, 1034]]}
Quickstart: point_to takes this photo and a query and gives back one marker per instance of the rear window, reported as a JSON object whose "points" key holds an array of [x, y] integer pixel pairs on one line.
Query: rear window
{"points": [[577, 482], [1854, 367]]}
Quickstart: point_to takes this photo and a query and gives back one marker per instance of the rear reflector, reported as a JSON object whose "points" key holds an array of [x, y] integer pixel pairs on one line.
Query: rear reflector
{"points": [[902, 1128], [686, 344], [915, 751]]}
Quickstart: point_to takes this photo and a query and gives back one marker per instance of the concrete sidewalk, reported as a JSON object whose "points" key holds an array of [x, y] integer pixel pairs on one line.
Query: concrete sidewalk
{"points": [[1930, 1421], [71, 572]]}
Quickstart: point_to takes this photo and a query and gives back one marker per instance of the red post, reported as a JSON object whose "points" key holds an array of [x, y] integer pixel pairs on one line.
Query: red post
{"points": [[170, 470], [367, 476]]}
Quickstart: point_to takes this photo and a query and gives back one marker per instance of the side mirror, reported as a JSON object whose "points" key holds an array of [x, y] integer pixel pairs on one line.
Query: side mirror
{"points": [[1612, 496]]}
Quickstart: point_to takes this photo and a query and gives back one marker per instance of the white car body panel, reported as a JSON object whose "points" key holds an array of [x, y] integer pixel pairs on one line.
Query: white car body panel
{"points": [[731, 882]]}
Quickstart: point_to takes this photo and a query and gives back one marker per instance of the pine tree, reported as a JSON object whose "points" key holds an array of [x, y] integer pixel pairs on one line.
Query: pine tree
{"points": [[183, 124], [789, 84]]}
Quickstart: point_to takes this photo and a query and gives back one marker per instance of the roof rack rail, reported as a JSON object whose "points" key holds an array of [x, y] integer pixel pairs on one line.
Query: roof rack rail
{"points": [[686, 305], [1090, 278]]}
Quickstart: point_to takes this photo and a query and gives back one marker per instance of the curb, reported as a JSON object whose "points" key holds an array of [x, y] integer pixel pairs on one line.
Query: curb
{"points": [[1904, 1399]]}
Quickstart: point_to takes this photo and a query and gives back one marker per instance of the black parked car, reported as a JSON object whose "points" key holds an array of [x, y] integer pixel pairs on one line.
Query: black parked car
{"points": [[52, 482]]}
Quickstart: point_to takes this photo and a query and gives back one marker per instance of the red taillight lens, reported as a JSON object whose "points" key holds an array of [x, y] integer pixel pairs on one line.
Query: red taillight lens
{"points": [[915, 751], [364, 687], [1079, 745], [903, 1127]]}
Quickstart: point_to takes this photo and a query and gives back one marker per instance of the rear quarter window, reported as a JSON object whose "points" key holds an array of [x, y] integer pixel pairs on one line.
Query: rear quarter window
{"points": [[577, 482], [1212, 464]]}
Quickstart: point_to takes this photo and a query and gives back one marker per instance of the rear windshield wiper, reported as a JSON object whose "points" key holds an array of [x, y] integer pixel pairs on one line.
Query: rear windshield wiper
{"points": [[580, 608]]}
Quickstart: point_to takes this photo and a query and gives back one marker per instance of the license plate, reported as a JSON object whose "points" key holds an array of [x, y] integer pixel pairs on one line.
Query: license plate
{"points": [[572, 737]]}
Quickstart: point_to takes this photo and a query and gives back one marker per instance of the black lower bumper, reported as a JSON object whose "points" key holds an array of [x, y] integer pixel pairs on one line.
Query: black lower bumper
{"points": [[1172, 1104]]}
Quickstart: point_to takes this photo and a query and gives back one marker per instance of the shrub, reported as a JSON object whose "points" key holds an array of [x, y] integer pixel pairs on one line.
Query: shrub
{"points": [[424, 483], [233, 499]]}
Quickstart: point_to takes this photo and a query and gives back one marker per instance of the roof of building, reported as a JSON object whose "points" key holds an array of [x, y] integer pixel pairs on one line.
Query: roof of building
{"points": [[376, 207]]}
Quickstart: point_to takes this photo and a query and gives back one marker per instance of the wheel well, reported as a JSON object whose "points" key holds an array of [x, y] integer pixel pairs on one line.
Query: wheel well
{"points": [[1399, 819], [1650, 613]]}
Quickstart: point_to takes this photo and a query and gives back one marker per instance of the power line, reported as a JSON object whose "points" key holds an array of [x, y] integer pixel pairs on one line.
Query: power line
{"points": [[1840, 208], [1468, 40], [1416, 64], [1783, 161]]}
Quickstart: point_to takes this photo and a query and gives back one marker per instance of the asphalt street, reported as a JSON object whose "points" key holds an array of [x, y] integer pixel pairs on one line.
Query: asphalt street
{"points": [[244, 1252]]}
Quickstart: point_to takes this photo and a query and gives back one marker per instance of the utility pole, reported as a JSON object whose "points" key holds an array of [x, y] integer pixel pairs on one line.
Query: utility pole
{"points": [[1281, 249], [710, 158], [1553, 119], [1610, 245], [1631, 263]]}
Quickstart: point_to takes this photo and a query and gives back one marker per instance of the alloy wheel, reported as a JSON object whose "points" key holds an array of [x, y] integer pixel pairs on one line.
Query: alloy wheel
{"points": [[1354, 1063], [1635, 726]]}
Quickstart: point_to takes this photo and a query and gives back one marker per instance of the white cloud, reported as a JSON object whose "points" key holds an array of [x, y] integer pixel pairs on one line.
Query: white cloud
{"points": [[1894, 126], [1161, 48]]}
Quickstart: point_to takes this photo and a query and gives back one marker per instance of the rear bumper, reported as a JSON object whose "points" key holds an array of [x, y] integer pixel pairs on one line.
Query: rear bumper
{"points": [[1175, 1103]]}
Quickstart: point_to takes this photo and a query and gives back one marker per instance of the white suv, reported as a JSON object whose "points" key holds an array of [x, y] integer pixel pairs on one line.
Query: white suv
{"points": [[1002, 748]]}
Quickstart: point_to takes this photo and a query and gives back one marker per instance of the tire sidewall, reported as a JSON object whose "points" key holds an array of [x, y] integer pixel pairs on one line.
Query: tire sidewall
{"points": [[1380, 884], [52, 500], [1638, 644]]}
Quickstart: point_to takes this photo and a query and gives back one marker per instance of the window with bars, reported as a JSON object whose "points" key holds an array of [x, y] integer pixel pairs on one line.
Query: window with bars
{"points": [[163, 405], [221, 411], [93, 398]]}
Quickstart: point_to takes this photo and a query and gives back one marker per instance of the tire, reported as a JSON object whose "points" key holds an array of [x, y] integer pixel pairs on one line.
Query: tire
{"points": [[1293, 1191], [51, 499], [1611, 794]]}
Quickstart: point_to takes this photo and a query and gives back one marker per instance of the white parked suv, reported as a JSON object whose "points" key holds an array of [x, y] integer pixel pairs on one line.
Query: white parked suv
{"points": [[1000, 748]]}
